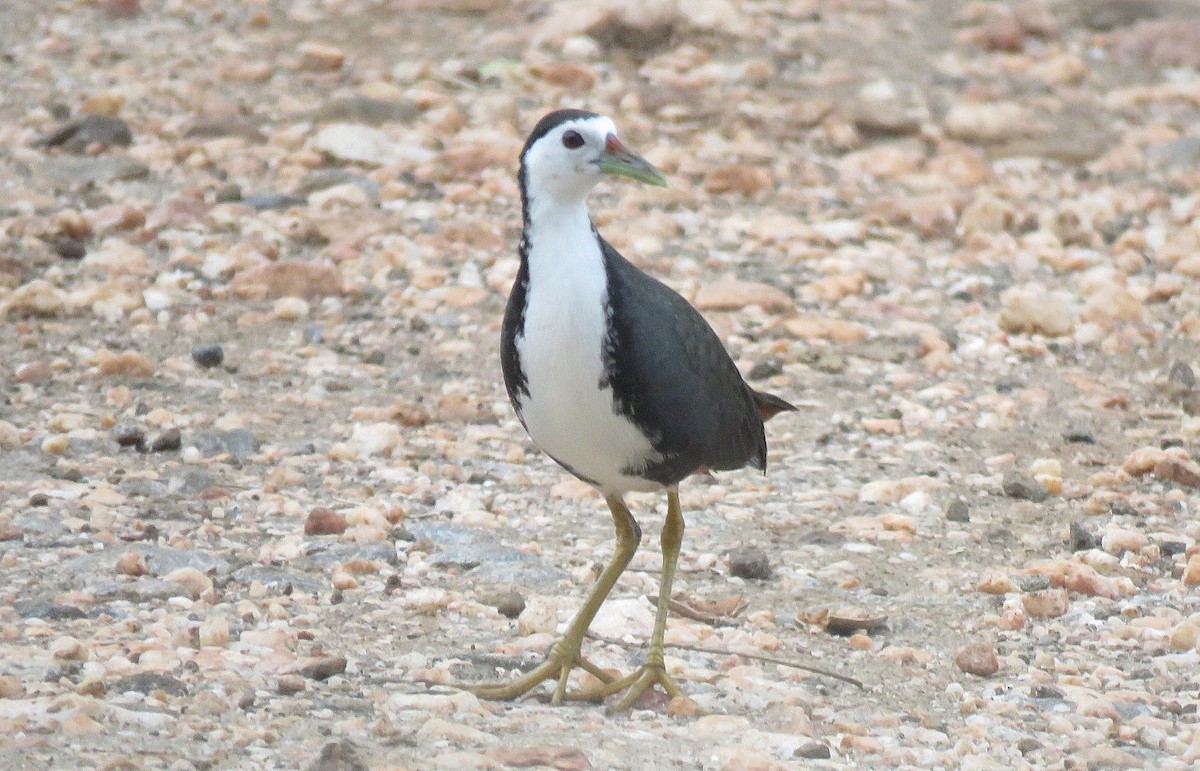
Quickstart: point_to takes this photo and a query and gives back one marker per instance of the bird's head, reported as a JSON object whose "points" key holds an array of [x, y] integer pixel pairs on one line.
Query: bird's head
{"points": [[570, 150]]}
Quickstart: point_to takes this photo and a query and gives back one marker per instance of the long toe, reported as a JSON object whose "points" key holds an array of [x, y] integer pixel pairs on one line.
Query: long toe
{"points": [[556, 667], [635, 684]]}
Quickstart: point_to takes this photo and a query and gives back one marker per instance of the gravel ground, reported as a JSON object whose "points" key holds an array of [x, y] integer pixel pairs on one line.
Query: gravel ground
{"points": [[263, 501]]}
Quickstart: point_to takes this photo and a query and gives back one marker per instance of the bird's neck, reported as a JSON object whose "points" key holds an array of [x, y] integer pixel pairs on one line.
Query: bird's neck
{"points": [[559, 241]]}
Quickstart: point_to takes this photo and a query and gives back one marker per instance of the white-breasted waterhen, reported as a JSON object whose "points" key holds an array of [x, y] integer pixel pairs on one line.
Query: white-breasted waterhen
{"points": [[615, 376]]}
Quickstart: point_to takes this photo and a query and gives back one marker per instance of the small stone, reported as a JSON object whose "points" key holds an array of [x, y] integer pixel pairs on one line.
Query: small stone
{"points": [[191, 579], [208, 355], [290, 685], [358, 143], [509, 604], [813, 751], [1081, 539], [978, 658], [168, 441], [1079, 432], [986, 122], [1143, 460], [11, 687], [319, 57], [1181, 472], [340, 755], [132, 563], [1117, 541], [1017, 484], [127, 435], [996, 582], [36, 298], [80, 724], [376, 439], [1033, 582], [68, 649], [735, 295], [80, 134], [129, 363], [214, 631], [958, 511], [1191, 571], [1185, 636], [750, 562], [1182, 376], [56, 444], [10, 435], [746, 180], [91, 686], [1049, 603], [291, 308], [682, 706], [322, 521], [323, 667], [1030, 309], [34, 372], [288, 278]]}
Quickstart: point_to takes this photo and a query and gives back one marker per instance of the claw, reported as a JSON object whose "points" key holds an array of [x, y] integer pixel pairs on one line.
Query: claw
{"points": [[557, 666]]}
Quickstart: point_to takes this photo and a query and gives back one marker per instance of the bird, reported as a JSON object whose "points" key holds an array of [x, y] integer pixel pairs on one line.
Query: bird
{"points": [[616, 377]]}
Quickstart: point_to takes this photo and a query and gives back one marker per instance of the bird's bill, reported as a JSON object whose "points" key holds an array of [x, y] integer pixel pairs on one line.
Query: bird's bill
{"points": [[621, 163]]}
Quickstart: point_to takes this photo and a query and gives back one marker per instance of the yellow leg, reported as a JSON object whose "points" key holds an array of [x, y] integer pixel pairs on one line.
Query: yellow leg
{"points": [[655, 670], [567, 652]]}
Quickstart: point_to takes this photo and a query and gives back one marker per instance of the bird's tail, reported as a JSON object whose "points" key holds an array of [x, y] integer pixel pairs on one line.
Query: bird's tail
{"points": [[770, 405]]}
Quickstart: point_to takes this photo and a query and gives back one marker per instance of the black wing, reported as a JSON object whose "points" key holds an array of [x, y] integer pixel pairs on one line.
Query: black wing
{"points": [[510, 330], [676, 381]]}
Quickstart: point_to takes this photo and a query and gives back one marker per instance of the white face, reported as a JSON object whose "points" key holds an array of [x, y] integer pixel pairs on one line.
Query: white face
{"points": [[565, 163]]}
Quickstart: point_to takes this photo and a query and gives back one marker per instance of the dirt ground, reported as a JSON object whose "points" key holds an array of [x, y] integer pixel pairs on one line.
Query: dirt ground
{"points": [[263, 501]]}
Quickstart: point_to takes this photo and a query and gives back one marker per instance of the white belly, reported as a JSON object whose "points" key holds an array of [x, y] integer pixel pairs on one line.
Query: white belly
{"points": [[566, 412]]}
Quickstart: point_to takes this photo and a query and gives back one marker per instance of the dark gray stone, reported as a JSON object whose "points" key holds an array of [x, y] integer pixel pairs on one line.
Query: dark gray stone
{"points": [[1018, 484], [750, 562], [238, 442], [79, 134], [208, 355]]}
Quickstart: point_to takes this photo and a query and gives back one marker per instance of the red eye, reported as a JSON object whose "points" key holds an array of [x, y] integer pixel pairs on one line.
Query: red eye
{"points": [[572, 140]]}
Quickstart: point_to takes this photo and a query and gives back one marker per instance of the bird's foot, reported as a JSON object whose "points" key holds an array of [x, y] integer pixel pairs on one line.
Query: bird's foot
{"points": [[636, 684], [557, 666]]}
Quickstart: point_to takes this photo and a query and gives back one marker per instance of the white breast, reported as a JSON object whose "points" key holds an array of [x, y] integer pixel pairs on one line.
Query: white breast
{"points": [[566, 412]]}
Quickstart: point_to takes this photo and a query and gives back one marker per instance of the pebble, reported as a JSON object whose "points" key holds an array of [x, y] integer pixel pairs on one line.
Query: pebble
{"points": [[320, 57], [68, 649], [191, 579], [340, 755], [127, 435], [34, 372], [208, 355], [86, 132], [36, 298], [746, 180], [323, 521], [735, 295], [1049, 603], [288, 278], [1030, 309], [1017, 484], [167, 441], [1081, 538], [977, 658], [290, 685], [131, 363], [323, 667], [750, 562], [359, 143], [291, 308], [958, 511]]}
